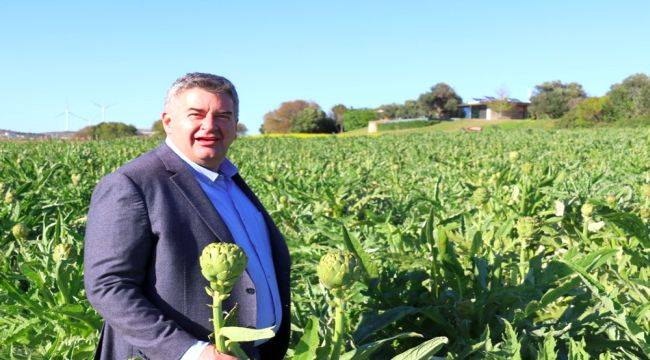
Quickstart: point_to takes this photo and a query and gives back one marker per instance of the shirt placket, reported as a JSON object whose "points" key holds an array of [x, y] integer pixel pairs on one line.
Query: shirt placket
{"points": [[240, 213]]}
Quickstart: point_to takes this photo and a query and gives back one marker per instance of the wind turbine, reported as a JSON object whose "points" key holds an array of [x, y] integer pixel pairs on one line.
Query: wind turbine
{"points": [[69, 113], [66, 112], [103, 107]]}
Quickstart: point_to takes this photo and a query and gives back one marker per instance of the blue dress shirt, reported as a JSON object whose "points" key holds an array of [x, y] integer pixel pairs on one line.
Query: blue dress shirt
{"points": [[249, 231]]}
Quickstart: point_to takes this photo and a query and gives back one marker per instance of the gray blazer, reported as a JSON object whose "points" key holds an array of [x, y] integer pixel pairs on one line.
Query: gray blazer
{"points": [[147, 225]]}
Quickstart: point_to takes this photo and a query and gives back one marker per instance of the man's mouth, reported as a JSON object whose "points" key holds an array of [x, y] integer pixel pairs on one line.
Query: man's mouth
{"points": [[207, 140]]}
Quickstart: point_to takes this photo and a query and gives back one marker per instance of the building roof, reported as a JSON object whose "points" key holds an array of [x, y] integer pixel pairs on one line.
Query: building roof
{"points": [[487, 99]]}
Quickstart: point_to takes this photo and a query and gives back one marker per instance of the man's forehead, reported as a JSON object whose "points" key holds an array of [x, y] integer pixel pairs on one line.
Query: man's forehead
{"points": [[200, 98]]}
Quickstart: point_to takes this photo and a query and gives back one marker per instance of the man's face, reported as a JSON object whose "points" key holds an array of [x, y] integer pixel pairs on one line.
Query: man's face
{"points": [[202, 125]]}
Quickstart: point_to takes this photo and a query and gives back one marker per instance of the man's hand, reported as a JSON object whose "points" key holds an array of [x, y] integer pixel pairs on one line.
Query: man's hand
{"points": [[210, 353]]}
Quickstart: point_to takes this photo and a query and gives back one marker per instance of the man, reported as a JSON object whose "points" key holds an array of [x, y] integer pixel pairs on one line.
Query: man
{"points": [[149, 221]]}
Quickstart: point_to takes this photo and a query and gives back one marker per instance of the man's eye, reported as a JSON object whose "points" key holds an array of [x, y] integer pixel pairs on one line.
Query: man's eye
{"points": [[195, 115]]}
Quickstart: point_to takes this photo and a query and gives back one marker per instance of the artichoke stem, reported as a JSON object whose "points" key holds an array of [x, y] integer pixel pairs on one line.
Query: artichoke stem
{"points": [[522, 259], [217, 318], [339, 328]]}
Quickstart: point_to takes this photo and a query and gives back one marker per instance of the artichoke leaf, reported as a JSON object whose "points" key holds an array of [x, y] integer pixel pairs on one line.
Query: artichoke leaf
{"points": [[242, 334]]}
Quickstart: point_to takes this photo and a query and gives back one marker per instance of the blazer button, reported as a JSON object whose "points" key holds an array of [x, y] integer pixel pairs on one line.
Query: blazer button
{"points": [[250, 291]]}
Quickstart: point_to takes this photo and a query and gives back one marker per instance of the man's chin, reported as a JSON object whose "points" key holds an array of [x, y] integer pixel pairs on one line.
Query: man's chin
{"points": [[210, 161]]}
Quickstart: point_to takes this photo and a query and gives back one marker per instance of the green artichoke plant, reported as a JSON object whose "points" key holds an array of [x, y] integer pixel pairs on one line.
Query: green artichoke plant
{"points": [[9, 197], [61, 252], [337, 271], [645, 190], [611, 200], [222, 264], [526, 227], [586, 210], [75, 178], [20, 231], [479, 197], [645, 213], [513, 156]]}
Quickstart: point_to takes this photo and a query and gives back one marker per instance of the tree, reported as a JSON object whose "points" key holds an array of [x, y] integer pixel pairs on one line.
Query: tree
{"points": [[389, 111], [337, 113], [312, 120], [158, 129], [441, 102], [410, 110], [629, 99], [241, 129], [106, 131], [501, 103], [553, 99], [358, 118], [280, 120]]}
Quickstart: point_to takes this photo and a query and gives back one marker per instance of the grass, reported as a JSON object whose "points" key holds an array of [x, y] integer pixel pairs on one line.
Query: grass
{"points": [[406, 125], [457, 125]]}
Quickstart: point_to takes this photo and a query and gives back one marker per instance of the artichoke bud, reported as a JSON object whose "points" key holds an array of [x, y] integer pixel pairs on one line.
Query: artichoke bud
{"points": [[611, 200], [586, 210], [480, 196], [559, 208], [338, 270], [494, 178], [222, 264], [526, 227], [645, 190], [61, 252], [9, 197], [645, 213], [513, 156], [527, 168], [20, 231]]}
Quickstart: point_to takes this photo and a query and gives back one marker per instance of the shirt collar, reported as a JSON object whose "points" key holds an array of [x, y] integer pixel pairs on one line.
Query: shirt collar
{"points": [[227, 168]]}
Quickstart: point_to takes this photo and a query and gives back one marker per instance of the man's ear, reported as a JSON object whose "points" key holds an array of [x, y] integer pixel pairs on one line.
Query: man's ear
{"points": [[166, 121]]}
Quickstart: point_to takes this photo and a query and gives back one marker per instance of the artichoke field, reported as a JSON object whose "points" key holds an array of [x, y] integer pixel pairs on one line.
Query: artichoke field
{"points": [[518, 244]]}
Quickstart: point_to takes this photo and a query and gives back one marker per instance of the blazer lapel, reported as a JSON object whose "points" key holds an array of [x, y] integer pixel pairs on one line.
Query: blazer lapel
{"points": [[191, 190]]}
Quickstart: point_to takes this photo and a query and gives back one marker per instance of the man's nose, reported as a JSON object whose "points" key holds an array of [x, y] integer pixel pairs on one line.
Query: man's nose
{"points": [[209, 123]]}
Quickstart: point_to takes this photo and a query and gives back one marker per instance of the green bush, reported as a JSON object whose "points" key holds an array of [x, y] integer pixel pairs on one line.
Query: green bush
{"points": [[406, 125], [634, 122], [358, 118], [106, 131], [588, 112]]}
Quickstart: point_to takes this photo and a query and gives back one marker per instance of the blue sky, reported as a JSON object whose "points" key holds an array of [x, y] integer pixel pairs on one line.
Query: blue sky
{"points": [[359, 53]]}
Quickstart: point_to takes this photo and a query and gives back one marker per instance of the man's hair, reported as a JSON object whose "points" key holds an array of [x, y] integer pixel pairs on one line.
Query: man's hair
{"points": [[211, 83]]}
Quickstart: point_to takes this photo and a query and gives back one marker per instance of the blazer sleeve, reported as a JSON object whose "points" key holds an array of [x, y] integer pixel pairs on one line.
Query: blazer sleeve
{"points": [[118, 246]]}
